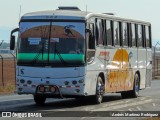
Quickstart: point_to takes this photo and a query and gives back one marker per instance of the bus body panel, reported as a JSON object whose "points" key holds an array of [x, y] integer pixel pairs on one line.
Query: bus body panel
{"points": [[142, 66], [51, 76], [94, 69], [149, 67], [50, 72]]}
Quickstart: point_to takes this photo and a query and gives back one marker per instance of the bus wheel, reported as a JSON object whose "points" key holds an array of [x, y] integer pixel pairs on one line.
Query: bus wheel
{"points": [[99, 90], [135, 91], [39, 99], [124, 95]]}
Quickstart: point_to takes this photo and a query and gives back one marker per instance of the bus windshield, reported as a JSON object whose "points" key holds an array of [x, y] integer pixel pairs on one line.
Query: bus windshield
{"points": [[51, 44]]}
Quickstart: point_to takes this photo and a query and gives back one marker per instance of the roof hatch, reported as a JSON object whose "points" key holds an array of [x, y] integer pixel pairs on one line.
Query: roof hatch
{"points": [[68, 8]]}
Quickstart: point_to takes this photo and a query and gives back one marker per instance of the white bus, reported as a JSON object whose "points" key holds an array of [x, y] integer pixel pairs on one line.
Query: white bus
{"points": [[72, 53]]}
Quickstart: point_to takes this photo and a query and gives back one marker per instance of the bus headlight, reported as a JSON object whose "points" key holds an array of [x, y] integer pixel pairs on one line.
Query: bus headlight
{"points": [[74, 82], [66, 83], [81, 81], [22, 81], [29, 82]]}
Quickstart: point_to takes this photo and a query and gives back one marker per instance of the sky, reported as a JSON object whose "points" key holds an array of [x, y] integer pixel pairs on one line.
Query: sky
{"points": [[146, 10]]}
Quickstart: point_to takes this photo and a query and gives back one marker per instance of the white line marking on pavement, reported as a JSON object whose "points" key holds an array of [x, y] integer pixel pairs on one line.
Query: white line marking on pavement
{"points": [[138, 108], [130, 109], [114, 103], [127, 101], [143, 98], [153, 104], [123, 105], [83, 118]]}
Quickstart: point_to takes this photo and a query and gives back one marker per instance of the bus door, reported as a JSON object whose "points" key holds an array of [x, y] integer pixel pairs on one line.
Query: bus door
{"points": [[100, 41]]}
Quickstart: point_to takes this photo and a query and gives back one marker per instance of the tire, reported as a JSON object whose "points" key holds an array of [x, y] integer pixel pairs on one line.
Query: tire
{"points": [[39, 99], [99, 91], [135, 91], [125, 95]]}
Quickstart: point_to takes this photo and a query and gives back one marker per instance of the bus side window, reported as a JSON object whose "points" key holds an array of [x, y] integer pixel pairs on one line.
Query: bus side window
{"points": [[124, 34], [116, 31], [139, 35], [129, 31], [133, 35], [109, 32], [147, 36], [91, 38], [104, 32], [90, 43], [99, 32], [143, 36]]}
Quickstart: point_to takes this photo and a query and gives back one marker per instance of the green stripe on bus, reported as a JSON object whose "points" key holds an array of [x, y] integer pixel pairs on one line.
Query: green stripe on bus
{"points": [[66, 57]]}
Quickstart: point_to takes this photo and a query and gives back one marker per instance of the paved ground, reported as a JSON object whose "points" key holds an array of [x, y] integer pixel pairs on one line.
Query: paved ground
{"points": [[149, 100]]}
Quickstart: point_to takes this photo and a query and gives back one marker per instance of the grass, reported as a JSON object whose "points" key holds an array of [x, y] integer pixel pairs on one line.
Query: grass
{"points": [[7, 89]]}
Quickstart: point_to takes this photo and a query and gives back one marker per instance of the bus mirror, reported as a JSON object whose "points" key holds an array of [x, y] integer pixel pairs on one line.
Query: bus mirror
{"points": [[12, 42], [12, 38]]}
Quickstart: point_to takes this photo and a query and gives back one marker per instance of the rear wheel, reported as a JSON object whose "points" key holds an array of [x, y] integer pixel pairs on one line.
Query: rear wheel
{"points": [[125, 95], [99, 90], [39, 99], [135, 91]]}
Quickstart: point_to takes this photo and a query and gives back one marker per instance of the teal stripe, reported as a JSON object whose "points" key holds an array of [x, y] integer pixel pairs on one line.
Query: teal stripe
{"points": [[66, 57]]}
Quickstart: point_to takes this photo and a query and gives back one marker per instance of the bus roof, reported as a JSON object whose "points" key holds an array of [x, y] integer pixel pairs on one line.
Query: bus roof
{"points": [[74, 14]]}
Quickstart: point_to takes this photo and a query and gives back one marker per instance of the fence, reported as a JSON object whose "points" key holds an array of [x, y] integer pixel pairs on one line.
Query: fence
{"points": [[7, 73], [156, 63], [156, 68]]}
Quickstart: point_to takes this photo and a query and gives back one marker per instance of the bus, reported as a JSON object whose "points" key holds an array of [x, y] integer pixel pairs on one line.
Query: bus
{"points": [[69, 53]]}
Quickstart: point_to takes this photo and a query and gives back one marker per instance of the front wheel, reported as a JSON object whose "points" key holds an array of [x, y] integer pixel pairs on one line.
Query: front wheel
{"points": [[99, 90], [39, 99]]}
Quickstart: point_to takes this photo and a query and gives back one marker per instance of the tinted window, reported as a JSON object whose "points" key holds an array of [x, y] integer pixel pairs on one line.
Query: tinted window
{"points": [[133, 35], [99, 31], [90, 37], [109, 32], [124, 34], [147, 36], [139, 35], [116, 33]]}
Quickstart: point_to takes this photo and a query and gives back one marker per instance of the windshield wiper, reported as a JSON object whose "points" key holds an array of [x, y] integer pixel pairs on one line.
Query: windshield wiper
{"points": [[59, 55], [40, 51], [36, 57]]}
